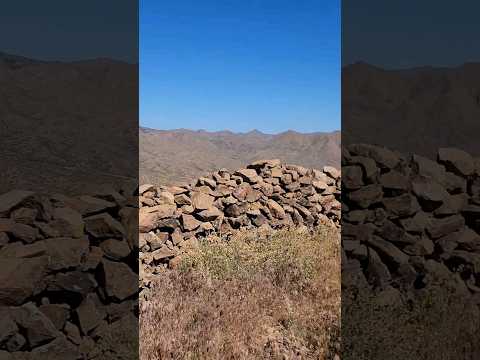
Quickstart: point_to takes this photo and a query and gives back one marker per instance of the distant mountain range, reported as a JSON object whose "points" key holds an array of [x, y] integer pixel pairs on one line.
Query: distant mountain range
{"points": [[413, 110], [181, 155], [67, 124]]}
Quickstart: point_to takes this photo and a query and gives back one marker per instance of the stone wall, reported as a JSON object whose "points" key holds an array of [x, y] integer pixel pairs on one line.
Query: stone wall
{"points": [[68, 275], [408, 220], [266, 195]]}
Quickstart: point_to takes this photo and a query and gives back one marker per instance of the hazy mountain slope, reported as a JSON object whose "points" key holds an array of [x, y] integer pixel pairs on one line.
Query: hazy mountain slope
{"points": [[61, 122], [416, 110], [181, 155]]}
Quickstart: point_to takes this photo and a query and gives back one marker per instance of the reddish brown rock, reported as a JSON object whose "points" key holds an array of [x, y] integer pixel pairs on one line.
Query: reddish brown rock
{"points": [[189, 222], [201, 201], [249, 175]]}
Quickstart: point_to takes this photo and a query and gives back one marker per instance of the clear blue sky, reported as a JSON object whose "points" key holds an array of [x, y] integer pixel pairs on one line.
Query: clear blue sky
{"points": [[403, 34], [70, 30], [270, 65]]}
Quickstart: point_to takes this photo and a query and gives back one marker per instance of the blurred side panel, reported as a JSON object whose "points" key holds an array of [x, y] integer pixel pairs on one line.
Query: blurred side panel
{"points": [[69, 174], [411, 180]]}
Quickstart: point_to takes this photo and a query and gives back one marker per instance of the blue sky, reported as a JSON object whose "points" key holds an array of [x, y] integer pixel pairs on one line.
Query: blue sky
{"points": [[398, 34], [70, 30], [270, 65]]}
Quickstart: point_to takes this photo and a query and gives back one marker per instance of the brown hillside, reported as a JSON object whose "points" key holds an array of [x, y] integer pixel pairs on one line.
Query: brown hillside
{"points": [[61, 123], [182, 155], [415, 110]]}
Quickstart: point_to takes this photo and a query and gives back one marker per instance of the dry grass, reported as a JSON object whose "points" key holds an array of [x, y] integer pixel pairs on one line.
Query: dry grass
{"points": [[439, 322], [248, 299]]}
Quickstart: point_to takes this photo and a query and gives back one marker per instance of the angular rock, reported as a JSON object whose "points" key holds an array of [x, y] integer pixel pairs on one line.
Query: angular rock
{"points": [[384, 157], [149, 220], [22, 232], [444, 226], [165, 198], [57, 313], [89, 315], [24, 215], [210, 214], [394, 180], [90, 205], [12, 199], [65, 253], [401, 206], [201, 201], [76, 282], [58, 349], [428, 169], [241, 192], [115, 249], [429, 192], [182, 199], [38, 327], [163, 253], [352, 177], [366, 196], [71, 220], [370, 169], [331, 171], [144, 188], [416, 224], [377, 272], [456, 160], [104, 226], [392, 233], [387, 250], [21, 279], [264, 163], [249, 175], [423, 247], [8, 327], [120, 281], [189, 222], [276, 209]]}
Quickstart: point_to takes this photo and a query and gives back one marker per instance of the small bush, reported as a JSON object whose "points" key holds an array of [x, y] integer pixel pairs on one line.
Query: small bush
{"points": [[250, 298]]}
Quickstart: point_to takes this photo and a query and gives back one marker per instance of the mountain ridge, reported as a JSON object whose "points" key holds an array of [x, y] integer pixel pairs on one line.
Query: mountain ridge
{"points": [[167, 156]]}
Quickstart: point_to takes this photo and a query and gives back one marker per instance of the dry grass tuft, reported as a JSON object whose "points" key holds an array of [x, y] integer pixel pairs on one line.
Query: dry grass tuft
{"points": [[277, 298]]}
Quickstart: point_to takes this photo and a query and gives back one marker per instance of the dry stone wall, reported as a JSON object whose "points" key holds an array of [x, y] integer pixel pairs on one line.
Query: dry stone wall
{"points": [[265, 195], [68, 275], [409, 220]]}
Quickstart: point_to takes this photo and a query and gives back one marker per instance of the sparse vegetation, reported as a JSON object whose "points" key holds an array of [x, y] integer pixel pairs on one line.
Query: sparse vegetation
{"points": [[439, 322], [249, 298]]}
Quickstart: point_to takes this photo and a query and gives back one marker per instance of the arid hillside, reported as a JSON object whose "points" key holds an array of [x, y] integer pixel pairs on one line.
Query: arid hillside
{"points": [[414, 110], [62, 123], [182, 155]]}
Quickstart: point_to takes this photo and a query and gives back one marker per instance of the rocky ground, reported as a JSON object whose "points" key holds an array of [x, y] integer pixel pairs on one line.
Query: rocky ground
{"points": [[69, 276], [410, 254], [266, 195]]}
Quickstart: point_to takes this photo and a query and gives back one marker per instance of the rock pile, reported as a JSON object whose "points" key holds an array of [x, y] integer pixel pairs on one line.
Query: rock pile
{"points": [[265, 195], [408, 220], [69, 274]]}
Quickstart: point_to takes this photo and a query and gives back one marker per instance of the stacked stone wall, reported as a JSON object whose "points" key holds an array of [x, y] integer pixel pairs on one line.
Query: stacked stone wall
{"points": [[410, 220], [266, 195], [68, 275]]}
